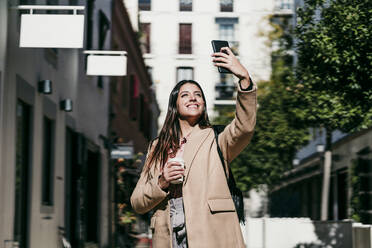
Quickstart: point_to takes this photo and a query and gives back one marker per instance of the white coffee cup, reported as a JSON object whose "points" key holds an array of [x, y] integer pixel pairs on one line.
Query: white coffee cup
{"points": [[180, 162]]}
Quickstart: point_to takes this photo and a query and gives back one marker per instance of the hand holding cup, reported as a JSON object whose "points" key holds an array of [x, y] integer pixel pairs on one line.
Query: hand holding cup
{"points": [[173, 172], [178, 168]]}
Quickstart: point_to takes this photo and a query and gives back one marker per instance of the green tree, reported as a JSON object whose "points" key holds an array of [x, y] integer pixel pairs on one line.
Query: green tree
{"points": [[334, 64], [333, 70]]}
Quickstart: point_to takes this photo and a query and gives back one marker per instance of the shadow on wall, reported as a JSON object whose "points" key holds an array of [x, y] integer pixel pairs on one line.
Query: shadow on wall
{"points": [[335, 234], [297, 233]]}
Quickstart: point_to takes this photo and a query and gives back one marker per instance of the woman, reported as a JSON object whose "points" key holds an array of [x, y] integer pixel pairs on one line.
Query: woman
{"points": [[199, 212]]}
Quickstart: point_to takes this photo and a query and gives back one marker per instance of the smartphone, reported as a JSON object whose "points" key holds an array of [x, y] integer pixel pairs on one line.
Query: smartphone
{"points": [[217, 45]]}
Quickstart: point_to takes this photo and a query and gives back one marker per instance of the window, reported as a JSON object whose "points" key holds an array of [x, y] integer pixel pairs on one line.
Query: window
{"points": [[185, 5], [144, 4], [227, 32], [145, 37], [48, 172], [283, 4], [185, 73], [185, 39], [226, 5], [226, 89]]}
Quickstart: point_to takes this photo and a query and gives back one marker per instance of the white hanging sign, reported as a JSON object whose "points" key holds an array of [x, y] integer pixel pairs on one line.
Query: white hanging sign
{"points": [[106, 63], [122, 151], [52, 30]]}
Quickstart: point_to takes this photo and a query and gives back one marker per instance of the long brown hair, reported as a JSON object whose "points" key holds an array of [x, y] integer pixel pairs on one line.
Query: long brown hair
{"points": [[169, 136]]}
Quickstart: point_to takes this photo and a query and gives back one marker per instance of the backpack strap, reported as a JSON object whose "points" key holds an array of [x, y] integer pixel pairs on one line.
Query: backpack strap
{"points": [[235, 192], [218, 129]]}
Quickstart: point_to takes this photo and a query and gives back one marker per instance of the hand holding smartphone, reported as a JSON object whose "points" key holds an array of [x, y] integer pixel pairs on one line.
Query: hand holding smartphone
{"points": [[217, 45]]}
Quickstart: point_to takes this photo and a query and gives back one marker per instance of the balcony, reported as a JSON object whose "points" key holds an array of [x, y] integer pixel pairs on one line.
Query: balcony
{"points": [[225, 94]]}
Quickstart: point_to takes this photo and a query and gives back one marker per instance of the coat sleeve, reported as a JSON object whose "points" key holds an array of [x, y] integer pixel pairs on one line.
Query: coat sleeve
{"points": [[147, 193], [239, 132]]}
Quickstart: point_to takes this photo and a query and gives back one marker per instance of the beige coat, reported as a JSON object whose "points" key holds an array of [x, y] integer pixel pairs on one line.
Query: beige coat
{"points": [[210, 215]]}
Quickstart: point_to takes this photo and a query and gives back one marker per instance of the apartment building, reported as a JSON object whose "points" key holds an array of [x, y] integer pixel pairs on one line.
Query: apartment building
{"points": [[176, 40]]}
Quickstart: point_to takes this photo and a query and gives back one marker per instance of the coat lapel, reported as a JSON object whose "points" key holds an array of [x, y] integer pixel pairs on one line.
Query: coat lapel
{"points": [[192, 146]]}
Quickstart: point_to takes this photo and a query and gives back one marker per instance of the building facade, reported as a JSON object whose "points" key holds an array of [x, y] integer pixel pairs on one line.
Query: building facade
{"points": [[299, 194], [49, 157], [55, 167], [176, 40], [133, 101]]}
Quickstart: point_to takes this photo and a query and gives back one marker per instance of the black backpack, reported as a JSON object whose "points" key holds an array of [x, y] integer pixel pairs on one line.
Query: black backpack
{"points": [[236, 194]]}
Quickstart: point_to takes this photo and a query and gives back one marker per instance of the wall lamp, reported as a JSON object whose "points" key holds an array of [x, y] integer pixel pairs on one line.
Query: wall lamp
{"points": [[66, 105], [45, 87], [320, 147], [296, 162]]}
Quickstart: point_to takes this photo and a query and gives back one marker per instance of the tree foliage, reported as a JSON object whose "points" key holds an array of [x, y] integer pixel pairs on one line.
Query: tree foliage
{"points": [[334, 64]]}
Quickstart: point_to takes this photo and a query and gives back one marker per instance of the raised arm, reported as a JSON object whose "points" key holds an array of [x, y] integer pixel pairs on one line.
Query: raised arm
{"points": [[239, 132]]}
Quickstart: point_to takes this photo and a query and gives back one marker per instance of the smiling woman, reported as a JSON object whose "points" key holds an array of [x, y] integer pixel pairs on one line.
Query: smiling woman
{"points": [[190, 104], [183, 180]]}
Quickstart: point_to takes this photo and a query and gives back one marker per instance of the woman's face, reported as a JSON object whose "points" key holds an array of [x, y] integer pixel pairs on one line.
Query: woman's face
{"points": [[190, 103]]}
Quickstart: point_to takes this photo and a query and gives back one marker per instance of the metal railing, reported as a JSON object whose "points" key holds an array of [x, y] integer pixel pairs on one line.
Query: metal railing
{"points": [[225, 91]]}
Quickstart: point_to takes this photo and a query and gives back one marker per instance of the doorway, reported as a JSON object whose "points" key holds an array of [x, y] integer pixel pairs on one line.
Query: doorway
{"points": [[22, 174], [72, 189], [92, 197]]}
